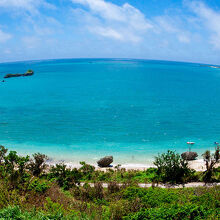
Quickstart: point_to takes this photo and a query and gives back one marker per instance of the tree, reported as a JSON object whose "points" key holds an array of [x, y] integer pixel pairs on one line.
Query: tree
{"points": [[15, 167], [171, 167], [86, 170], [210, 161], [3, 152], [64, 176], [38, 164]]}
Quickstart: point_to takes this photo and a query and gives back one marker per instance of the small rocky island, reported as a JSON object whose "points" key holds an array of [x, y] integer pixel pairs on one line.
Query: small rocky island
{"points": [[10, 75], [205, 65]]}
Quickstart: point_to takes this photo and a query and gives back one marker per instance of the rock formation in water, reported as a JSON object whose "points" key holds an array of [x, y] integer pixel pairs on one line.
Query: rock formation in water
{"points": [[189, 155], [28, 73], [205, 65], [105, 161]]}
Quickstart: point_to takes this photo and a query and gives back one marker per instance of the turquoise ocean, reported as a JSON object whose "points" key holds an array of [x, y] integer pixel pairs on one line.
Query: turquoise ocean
{"points": [[82, 109]]}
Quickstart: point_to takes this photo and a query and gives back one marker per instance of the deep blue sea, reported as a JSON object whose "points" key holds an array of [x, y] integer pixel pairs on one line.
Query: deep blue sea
{"points": [[82, 109]]}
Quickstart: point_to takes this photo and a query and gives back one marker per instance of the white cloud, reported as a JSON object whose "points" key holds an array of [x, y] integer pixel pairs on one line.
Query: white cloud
{"points": [[171, 25], [164, 23], [107, 32], [183, 38], [4, 36], [46, 26], [105, 9], [211, 19], [125, 23], [28, 5], [7, 51], [31, 41]]}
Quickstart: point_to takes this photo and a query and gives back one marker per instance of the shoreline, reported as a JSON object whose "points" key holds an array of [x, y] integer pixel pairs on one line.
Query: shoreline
{"points": [[198, 165], [128, 160], [129, 156]]}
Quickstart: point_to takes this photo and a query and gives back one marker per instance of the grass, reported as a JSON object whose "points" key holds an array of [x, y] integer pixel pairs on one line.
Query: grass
{"points": [[28, 192], [129, 202]]}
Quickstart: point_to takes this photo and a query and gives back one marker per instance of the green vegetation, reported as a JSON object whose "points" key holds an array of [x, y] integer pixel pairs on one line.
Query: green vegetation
{"points": [[29, 189], [66, 178], [172, 168], [210, 162], [30, 71]]}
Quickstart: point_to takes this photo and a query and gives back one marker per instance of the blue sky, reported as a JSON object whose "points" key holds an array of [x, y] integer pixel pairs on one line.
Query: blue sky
{"points": [[182, 30]]}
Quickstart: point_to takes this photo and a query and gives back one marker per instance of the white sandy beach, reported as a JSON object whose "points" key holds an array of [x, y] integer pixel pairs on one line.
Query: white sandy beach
{"points": [[198, 165]]}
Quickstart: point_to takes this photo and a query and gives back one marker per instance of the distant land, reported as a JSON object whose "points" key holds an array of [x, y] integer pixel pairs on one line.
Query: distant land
{"points": [[216, 67], [28, 73]]}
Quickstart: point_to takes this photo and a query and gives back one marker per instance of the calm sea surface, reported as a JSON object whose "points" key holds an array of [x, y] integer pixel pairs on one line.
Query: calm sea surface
{"points": [[82, 109]]}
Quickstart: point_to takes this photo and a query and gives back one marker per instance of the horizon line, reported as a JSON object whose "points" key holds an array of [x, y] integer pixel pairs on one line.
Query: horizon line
{"points": [[105, 58]]}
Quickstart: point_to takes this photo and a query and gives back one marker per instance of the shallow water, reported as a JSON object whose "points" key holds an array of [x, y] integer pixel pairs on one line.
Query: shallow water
{"points": [[82, 109]]}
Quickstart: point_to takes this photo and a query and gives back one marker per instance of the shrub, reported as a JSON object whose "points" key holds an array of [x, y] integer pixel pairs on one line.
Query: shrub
{"points": [[113, 187], [151, 174], [38, 186], [84, 193], [172, 168], [98, 191], [15, 167], [210, 162], [216, 174], [3, 152], [177, 212], [4, 195], [15, 213], [89, 193], [65, 177], [38, 164], [104, 176], [118, 209], [86, 170], [55, 210], [147, 196], [11, 213]]}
